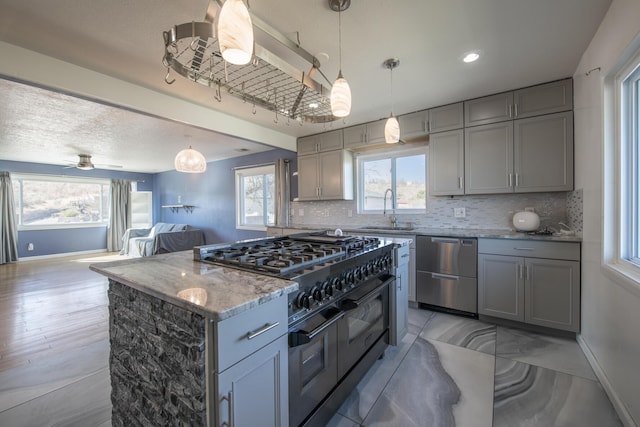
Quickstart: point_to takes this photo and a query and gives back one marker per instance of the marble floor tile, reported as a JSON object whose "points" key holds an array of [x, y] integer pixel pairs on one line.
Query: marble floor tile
{"points": [[418, 317], [559, 354], [461, 331], [530, 396], [341, 421], [437, 384], [359, 402]]}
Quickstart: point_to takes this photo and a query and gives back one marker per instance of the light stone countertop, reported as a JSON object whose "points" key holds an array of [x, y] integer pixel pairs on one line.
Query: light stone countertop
{"points": [[444, 232], [218, 292]]}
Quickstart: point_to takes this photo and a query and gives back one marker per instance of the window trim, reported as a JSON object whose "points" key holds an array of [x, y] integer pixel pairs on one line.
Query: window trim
{"points": [[392, 152], [616, 191], [59, 178], [250, 171]]}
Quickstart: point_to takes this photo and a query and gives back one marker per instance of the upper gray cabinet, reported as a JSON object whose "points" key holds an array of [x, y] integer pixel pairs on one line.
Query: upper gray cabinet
{"points": [[532, 101], [364, 135], [446, 163], [445, 118], [320, 143], [489, 109], [414, 125]]}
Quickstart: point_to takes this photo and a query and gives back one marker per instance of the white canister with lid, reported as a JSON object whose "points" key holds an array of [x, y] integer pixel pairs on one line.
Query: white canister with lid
{"points": [[526, 221]]}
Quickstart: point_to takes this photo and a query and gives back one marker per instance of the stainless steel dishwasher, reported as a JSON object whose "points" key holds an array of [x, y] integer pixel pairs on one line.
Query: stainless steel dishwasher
{"points": [[446, 273]]}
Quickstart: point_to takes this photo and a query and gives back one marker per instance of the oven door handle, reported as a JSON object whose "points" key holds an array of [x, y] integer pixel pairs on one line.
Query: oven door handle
{"points": [[349, 304], [302, 337]]}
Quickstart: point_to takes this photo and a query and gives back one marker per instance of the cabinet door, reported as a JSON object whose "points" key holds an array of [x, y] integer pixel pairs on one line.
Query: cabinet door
{"points": [[355, 136], [543, 99], [308, 177], [375, 132], [445, 118], [490, 109], [446, 163], [414, 125], [255, 391], [552, 293], [543, 153], [329, 141], [335, 175], [308, 144], [501, 286], [399, 323], [489, 158]]}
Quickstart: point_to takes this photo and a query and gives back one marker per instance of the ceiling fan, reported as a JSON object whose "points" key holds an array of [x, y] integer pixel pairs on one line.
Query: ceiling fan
{"points": [[85, 163]]}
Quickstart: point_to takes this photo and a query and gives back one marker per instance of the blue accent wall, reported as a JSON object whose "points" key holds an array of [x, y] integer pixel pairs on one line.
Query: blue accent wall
{"points": [[68, 240], [213, 195]]}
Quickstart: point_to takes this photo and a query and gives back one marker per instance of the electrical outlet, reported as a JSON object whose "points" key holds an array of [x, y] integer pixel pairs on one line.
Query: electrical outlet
{"points": [[300, 212], [30, 247], [349, 213], [529, 209], [459, 212]]}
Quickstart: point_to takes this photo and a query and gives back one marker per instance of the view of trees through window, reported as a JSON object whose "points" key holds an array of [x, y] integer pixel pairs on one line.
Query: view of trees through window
{"points": [[44, 201], [405, 175], [257, 201]]}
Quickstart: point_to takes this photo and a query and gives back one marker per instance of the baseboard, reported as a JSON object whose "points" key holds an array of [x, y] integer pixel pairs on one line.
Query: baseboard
{"points": [[617, 403], [61, 255]]}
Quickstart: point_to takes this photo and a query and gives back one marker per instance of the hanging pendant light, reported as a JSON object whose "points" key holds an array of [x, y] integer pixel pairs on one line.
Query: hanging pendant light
{"points": [[392, 127], [235, 32], [340, 91], [190, 161]]}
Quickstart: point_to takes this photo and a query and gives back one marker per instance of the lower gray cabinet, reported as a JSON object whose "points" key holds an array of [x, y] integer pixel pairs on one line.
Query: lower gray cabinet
{"points": [[255, 392], [535, 282]]}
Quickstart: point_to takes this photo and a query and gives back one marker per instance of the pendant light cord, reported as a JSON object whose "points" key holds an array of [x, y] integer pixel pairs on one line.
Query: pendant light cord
{"points": [[391, 74], [340, 35]]}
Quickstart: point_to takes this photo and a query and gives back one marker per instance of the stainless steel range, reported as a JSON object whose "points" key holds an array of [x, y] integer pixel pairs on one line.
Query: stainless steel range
{"points": [[339, 318]]}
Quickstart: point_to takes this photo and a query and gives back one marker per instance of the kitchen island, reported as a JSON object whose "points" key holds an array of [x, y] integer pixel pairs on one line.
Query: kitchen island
{"points": [[183, 332]]}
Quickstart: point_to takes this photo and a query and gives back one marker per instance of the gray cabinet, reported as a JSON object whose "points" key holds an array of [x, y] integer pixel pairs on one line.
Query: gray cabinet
{"points": [[414, 126], [521, 156], [489, 158], [250, 360], [325, 176], [446, 163], [364, 135], [446, 118], [535, 282], [532, 101], [320, 143], [399, 322]]}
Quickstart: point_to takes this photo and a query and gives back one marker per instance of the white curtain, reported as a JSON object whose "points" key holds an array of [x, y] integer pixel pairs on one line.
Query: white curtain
{"points": [[8, 230], [119, 213]]}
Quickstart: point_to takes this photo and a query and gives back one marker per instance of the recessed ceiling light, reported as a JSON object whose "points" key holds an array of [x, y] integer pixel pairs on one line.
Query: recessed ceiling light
{"points": [[471, 56]]}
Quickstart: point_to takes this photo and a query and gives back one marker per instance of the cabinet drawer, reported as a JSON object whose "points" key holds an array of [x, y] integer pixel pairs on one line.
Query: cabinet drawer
{"points": [[241, 335], [530, 248]]}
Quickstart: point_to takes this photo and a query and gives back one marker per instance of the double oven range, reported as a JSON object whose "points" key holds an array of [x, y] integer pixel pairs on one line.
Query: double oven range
{"points": [[339, 318]]}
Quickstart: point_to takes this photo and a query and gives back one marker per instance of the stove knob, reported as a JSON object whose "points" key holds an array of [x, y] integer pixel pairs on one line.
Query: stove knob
{"points": [[360, 274], [317, 293], [351, 277], [302, 300], [338, 283], [328, 288]]}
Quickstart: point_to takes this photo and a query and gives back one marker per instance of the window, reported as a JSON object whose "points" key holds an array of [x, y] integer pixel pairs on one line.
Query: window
{"points": [[255, 202], [60, 202], [630, 165], [404, 172]]}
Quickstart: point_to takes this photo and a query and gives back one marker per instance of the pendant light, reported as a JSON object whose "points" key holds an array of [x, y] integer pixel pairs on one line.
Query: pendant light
{"points": [[340, 91], [190, 161], [392, 127], [235, 32]]}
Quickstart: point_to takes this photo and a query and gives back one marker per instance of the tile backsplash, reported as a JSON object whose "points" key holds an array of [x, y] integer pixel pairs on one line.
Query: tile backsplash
{"points": [[481, 212]]}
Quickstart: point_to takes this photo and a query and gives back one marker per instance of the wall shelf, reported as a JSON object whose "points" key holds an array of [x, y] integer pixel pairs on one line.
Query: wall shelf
{"points": [[176, 208]]}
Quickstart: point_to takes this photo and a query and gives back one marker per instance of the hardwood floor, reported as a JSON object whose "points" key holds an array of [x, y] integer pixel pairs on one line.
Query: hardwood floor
{"points": [[54, 343]]}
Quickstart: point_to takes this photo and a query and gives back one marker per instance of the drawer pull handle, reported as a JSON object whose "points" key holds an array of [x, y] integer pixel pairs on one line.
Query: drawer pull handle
{"points": [[444, 276], [251, 335], [444, 240], [524, 249], [229, 399]]}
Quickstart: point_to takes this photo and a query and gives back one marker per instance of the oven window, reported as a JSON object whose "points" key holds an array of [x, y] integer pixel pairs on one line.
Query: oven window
{"points": [[367, 316], [313, 361]]}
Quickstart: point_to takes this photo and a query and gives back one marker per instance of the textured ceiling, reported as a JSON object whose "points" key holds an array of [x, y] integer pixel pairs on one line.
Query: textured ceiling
{"points": [[523, 42]]}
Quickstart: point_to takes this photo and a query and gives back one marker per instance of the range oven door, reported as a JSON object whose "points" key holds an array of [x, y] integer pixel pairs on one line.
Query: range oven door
{"points": [[313, 362], [366, 319]]}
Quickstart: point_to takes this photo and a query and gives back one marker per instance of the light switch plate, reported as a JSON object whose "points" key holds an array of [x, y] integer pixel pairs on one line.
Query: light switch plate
{"points": [[459, 212]]}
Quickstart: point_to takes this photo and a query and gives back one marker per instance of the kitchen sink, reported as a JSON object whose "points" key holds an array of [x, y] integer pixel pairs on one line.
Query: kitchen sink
{"points": [[381, 227]]}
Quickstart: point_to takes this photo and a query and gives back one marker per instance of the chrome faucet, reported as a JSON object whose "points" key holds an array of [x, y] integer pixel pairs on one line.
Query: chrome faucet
{"points": [[394, 222]]}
